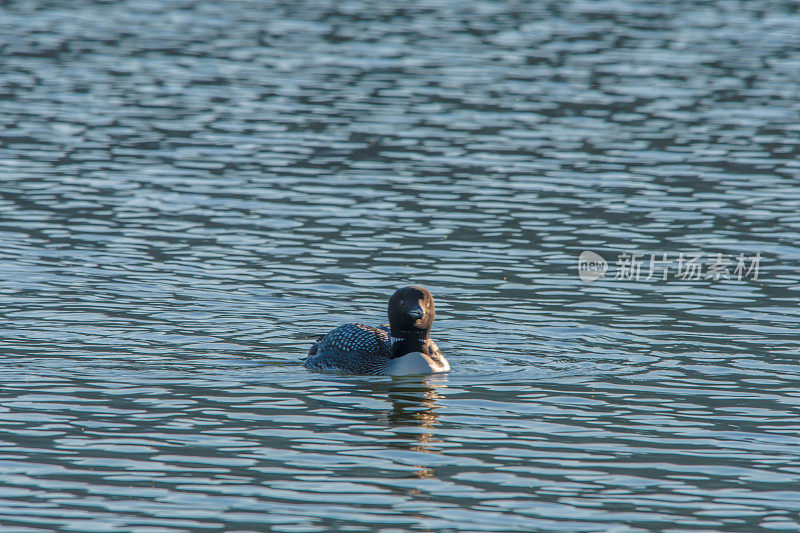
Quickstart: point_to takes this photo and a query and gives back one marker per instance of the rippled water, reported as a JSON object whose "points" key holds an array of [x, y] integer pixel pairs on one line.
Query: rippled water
{"points": [[191, 190]]}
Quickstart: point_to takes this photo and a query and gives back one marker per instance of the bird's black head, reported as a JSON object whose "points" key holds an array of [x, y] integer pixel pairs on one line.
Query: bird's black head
{"points": [[411, 313]]}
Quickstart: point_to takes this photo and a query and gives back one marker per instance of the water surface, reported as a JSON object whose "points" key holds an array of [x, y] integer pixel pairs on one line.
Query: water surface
{"points": [[191, 190]]}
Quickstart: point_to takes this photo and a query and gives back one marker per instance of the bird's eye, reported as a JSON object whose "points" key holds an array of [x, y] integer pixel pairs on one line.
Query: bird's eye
{"points": [[402, 303]]}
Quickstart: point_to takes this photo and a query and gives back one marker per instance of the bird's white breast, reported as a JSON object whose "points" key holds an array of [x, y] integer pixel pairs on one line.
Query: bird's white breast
{"points": [[417, 363]]}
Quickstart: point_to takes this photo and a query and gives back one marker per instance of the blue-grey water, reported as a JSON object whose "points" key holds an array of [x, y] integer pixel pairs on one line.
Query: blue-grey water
{"points": [[191, 190]]}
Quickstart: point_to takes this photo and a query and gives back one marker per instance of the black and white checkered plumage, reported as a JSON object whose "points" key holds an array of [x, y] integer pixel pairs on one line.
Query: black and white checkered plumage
{"points": [[353, 348]]}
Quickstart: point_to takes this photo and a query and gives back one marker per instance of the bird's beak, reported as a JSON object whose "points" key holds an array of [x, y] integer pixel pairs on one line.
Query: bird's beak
{"points": [[415, 313]]}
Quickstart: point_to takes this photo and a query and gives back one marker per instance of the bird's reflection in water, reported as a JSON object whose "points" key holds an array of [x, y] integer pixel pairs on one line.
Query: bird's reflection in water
{"points": [[414, 405]]}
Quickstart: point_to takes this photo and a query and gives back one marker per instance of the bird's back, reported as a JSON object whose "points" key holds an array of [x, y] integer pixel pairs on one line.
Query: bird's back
{"points": [[355, 348]]}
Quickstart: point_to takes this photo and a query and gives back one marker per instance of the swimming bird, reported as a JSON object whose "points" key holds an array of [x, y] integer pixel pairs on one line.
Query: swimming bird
{"points": [[401, 347]]}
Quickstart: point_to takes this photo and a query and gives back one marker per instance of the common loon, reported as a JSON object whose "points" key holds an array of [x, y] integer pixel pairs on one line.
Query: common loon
{"points": [[401, 347]]}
